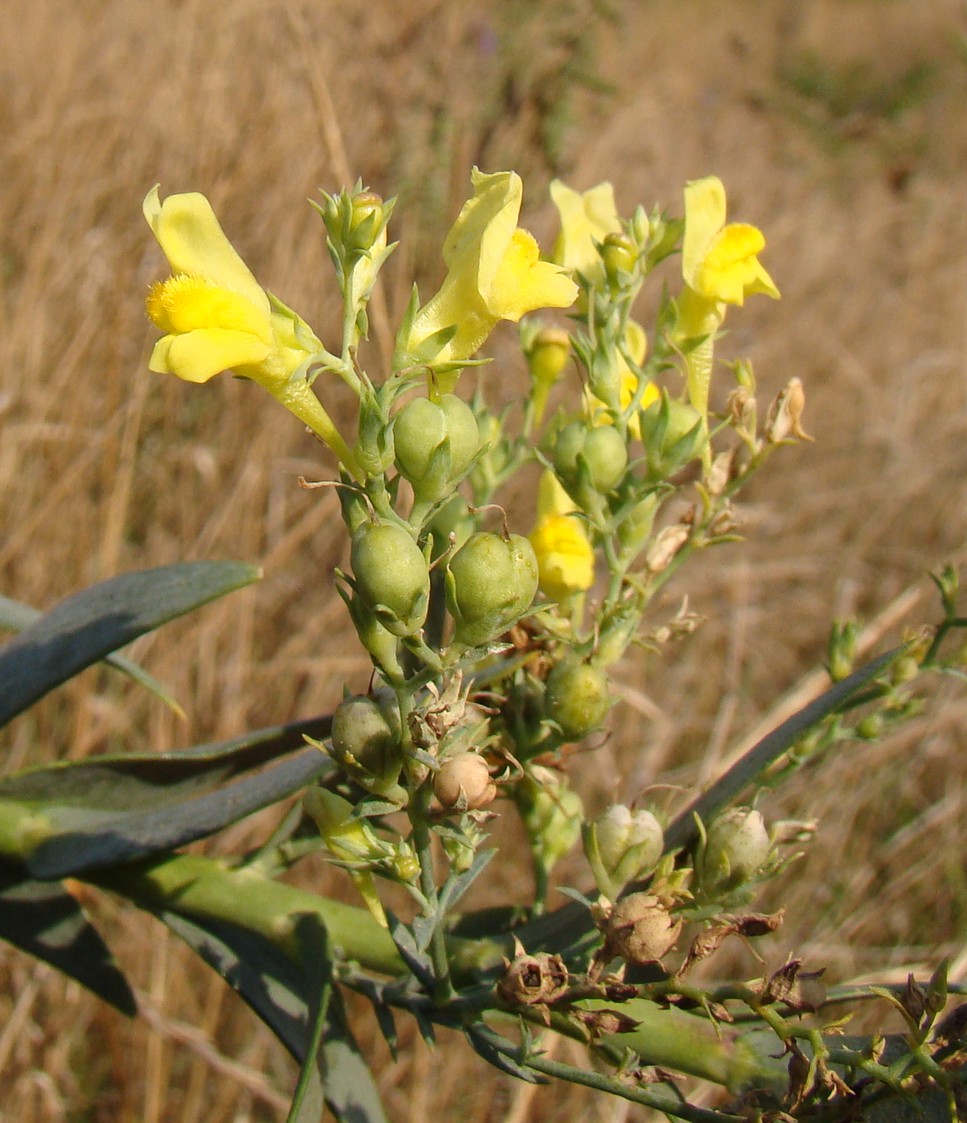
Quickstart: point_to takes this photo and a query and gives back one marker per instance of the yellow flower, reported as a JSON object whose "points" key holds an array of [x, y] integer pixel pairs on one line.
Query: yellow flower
{"points": [[216, 316], [586, 220], [597, 411], [565, 556], [719, 261], [494, 272]]}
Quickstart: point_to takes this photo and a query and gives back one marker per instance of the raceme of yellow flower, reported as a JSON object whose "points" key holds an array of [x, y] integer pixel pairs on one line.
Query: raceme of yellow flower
{"points": [[216, 316], [720, 261], [565, 556], [494, 272], [586, 220]]}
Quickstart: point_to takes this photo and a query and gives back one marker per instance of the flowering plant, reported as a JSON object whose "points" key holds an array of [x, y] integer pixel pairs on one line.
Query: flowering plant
{"points": [[492, 653]]}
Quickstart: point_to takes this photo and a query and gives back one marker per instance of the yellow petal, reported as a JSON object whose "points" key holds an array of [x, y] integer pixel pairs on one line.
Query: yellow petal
{"points": [[586, 219], [199, 355], [704, 218], [731, 270], [552, 499], [193, 242], [565, 557], [523, 282]]}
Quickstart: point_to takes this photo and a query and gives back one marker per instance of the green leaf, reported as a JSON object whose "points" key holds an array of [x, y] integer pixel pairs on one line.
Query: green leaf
{"points": [[67, 818], [684, 831], [15, 616], [91, 624], [45, 921]]}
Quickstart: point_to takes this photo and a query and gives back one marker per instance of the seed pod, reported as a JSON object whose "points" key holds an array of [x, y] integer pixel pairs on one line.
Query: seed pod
{"points": [[463, 782], [601, 451], [737, 845], [576, 697], [435, 443], [640, 929], [392, 577], [622, 845], [491, 582], [366, 742]]}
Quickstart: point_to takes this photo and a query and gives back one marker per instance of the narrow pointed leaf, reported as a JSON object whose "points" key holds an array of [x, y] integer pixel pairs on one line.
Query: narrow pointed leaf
{"points": [[91, 624], [745, 772], [15, 616], [308, 1102], [495, 1051], [104, 810], [278, 993], [45, 921], [267, 981]]}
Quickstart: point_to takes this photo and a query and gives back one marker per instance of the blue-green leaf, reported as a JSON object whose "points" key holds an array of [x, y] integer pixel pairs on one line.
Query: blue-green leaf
{"points": [[45, 921], [15, 616], [86, 814], [91, 624]]}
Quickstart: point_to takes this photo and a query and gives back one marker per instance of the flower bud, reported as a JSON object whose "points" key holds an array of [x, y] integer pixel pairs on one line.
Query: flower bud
{"points": [[600, 453], [435, 443], [640, 929], [366, 742], [622, 845], [463, 782], [391, 575], [491, 582], [576, 698], [547, 355], [736, 847], [620, 257]]}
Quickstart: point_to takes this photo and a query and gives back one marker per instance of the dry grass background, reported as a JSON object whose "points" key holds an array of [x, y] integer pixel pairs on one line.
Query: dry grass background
{"points": [[838, 126]]}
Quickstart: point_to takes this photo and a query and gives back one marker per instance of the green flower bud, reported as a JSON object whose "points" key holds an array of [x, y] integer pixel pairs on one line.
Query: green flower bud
{"points": [[491, 582], [600, 454], [622, 845], [366, 742], [736, 847], [435, 443], [576, 697], [620, 258], [392, 577]]}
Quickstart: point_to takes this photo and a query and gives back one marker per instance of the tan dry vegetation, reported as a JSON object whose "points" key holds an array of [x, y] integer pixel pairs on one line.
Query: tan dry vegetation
{"points": [[860, 189]]}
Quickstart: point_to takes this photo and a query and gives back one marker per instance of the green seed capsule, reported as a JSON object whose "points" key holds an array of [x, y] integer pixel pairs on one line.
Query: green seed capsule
{"points": [[392, 577], [602, 451], [491, 581], [435, 443], [366, 741], [576, 697]]}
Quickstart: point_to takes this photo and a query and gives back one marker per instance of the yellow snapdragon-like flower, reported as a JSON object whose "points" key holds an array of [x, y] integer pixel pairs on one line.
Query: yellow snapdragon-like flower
{"points": [[720, 261], [565, 556], [216, 316], [587, 218], [494, 272], [720, 266], [596, 410]]}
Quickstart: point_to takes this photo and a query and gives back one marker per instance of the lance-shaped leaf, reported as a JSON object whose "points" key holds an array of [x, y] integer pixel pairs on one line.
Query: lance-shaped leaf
{"points": [[16, 616], [71, 817], [747, 770], [282, 994], [45, 921], [97, 621]]}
